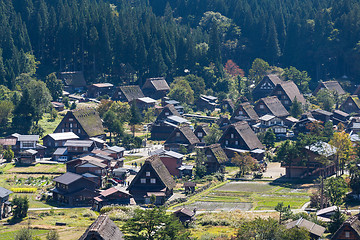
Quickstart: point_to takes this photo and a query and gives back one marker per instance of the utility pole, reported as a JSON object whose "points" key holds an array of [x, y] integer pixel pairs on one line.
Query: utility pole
{"points": [[322, 190]]}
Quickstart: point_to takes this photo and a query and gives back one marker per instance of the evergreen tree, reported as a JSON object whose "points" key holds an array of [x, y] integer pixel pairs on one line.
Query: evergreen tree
{"points": [[269, 139], [296, 108]]}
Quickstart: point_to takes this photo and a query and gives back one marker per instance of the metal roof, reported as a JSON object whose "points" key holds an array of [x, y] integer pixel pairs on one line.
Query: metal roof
{"points": [[62, 136]]}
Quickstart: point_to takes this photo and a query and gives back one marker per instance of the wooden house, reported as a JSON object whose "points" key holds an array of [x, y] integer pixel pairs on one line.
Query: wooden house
{"points": [[332, 86], [5, 204], [27, 156], [161, 128], [245, 112], [270, 105], [115, 152], [100, 89], [340, 117], [302, 126], [85, 123], [351, 105], [165, 101], [322, 115], [54, 140], [127, 93], [185, 170], [316, 231], [287, 92], [277, 125], [265, 87], [168, 110], [201, 131], [223, 122], [240, 136], [77, 147], [189, 187], [103, 229], [227, 105], [182, 136], [74, 190], [312, 164], [96, 168], [111, 196], [156, 88], [215, 158], [145, 103], [350, 229], [73, 81], [8, 142], [206, 103], [152, 179], [185, 215]]}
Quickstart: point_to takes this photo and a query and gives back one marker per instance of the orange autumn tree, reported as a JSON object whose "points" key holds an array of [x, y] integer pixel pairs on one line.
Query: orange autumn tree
{"points": [[232, 69]]}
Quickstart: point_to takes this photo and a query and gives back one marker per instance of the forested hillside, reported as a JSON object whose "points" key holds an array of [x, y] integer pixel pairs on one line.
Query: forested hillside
{"points": [[125, 41]]}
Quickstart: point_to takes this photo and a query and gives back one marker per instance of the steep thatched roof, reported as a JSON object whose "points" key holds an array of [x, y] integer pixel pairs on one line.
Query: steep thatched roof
{"points": [[75, 79], [103, 228], [291, 90], [352, 223], [159, 84], [131, 92], [331, 86], [186, 132], [155, 163], [218, 153], [90, 121], [249, 110], [275, 106], [309, 226]]}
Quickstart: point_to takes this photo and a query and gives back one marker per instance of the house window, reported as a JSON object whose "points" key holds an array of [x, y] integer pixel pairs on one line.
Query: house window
{"points": [[261, 106], [28, 144], [350, 104], [232, 135], [241, 113], [286, 101], [85, 149], [178, 134], [148, 174], [143, 180], [71, 125], [279, 92], [71, 119], [166, 114], [153, 180], [62, 130], [347, 234], [79, 131], [200, 134], [236, 143], [226, 142]]}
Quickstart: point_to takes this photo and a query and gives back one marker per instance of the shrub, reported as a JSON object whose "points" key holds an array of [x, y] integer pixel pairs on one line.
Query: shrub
{"points": [[23, 190]]}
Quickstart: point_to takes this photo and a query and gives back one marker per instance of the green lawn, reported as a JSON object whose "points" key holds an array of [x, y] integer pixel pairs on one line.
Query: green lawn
{"points": [[48, 125], [131, 158], [11, 235]]}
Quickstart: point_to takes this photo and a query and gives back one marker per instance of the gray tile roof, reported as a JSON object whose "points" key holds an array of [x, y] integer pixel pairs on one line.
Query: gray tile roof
{"points": [[63, 136], [28, 138], [67, 178], [4, 192], [78, 143], [60, 151], [309, 226]]}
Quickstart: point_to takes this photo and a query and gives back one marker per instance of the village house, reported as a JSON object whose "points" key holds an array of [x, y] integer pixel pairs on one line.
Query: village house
{"points": [[54, 140], [189, 187], [60, 154], [5, 204], [332, 86], [8, 142], [316, 231], [78, 147], [58, 106], [290, 121], [152, 179], [322, 115], [350, 229], [223, 122], [206, 103], [227, 105], [103, 229], [145, 103], [265, 87], [27, 157], [156, 88], [73, 81], [74, 189], [277, 125], [100, 89], [85, 123], [181, 136], [239, 137], [325, 214], [287, 92], [171, 160], [162, 128], [165, 101], [270, 105], [185, 170], [304, 124], [245, 112], [340, 117], [111, 196], [351, 105], [115, 152], [185, 215], [127, 93], [310, 164], [215, 158], [201, 131], [95, 168], [25, 143]]}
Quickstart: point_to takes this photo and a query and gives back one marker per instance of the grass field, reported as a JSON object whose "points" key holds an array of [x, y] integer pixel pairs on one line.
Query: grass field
{"points": [[48, 125], [39, 168]]}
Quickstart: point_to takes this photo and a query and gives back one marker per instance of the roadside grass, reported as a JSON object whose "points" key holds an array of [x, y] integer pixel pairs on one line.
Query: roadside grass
{"points": [[131, 158], [211, 232]]}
